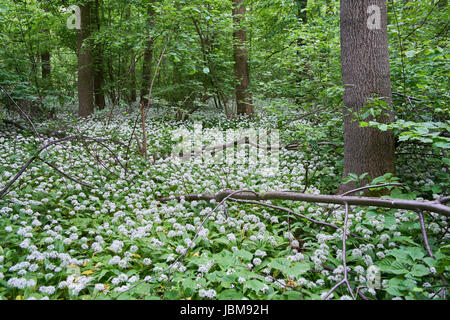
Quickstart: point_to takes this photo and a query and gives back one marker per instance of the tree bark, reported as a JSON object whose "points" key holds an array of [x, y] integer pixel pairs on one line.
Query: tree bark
{"points": [[366, 74], [437, 206], [148, 57], [132, 84], [98, 69], [45, 55], [132, 71], [241, 68], [85, 75], [302, 73], [46, 67]]}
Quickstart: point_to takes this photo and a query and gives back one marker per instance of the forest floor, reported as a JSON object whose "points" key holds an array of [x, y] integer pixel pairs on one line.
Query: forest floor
{"points": [[110, 237]]}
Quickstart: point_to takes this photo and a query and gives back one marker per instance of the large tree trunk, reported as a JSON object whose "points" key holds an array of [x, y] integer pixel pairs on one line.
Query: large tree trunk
{"points": [[85, 79], [241, 69], [98, 69], [148, 57], [365, 73]]}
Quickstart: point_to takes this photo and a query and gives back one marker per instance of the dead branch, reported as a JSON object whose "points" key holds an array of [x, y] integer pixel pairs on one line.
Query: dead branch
{"points": [[371, 187], [431, 206], [65, 174], [344, 261]]}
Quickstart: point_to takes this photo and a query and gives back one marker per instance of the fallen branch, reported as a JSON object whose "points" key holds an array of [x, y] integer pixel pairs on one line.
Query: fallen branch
{"points": [[65, 174], [286, 210], [371, 187], [431, 206]]}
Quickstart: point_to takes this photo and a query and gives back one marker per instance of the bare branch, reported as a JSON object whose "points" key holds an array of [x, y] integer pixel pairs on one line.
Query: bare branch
{"points": [[424, 233], [370, 187], [431, 206]]}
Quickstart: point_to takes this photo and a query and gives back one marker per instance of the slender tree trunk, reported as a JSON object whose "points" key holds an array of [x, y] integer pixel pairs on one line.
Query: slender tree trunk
{"points": [[97, 58], [46, 66], [46, 57], [302, 73], [366, 74], [85, 76], [241, 68], [148, 57], [132, 84], [132, 71]]}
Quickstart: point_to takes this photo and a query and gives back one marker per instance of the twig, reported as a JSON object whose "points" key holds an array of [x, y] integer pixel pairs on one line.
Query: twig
{"points": [[444, 200], [407, 97], [424, 233], [344, 262], [66, 175], [370, 187], [286, 210], [144, 110]]}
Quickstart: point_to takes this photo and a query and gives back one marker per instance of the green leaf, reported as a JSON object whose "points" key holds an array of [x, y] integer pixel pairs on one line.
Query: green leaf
{"points": [[243, 254], [415, 253], [228, 280], [281, 264], [395, 291], [419, 270], [442, 144], [292, 295], [172, 294], [230, 294], [254, 284], [298, 269]]}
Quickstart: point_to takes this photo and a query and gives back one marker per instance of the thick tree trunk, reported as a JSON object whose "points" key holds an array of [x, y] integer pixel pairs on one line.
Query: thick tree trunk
{"points": [[241, 68], [85, 78], [98, 69], [366, 74], [148, 57]]}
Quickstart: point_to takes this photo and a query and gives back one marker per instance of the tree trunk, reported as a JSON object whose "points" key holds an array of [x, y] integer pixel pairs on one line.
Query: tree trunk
{"points": [[132, 84], [366, 74], [45, 55], [148, 57], [132, 71], [46, 67], [97, 58], [241, 69], [302, 73], [85, 78]]}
